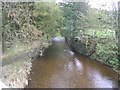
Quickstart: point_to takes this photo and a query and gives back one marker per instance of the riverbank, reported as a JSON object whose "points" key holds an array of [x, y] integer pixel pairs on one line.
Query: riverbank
{"points": [[15, 74], [17, 66], [117, 70]]}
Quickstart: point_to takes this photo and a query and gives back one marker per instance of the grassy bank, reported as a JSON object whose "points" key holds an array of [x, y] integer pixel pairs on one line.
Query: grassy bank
{"points": [[16, 62]]}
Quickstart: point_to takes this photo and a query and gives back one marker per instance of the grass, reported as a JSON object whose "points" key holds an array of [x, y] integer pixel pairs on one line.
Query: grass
{"points": [[16, 73], [19, 47]]}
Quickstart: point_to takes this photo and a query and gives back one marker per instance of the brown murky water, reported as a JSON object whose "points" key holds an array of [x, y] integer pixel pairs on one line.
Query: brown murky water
{"points": [[61, 69]]}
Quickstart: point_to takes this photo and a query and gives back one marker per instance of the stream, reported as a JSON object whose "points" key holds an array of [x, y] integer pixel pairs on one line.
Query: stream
{"points": [[61, 68]]}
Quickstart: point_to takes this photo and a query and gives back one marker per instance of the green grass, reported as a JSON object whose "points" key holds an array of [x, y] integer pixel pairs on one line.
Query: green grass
{"points": [[15, 50]]}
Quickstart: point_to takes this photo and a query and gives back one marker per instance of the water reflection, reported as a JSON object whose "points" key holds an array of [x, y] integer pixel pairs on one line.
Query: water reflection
{"points": [[70, 66], [101, 81], [78, 64]]}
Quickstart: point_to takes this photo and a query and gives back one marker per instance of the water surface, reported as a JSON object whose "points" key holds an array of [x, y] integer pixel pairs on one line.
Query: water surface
{"points": [[60, 68]]}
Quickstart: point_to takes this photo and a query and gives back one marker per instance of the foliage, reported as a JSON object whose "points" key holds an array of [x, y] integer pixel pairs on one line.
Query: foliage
{"points": [[27, 22], [74, 12], [96, 29], [18, 24], [105, 31], [48, 18]]}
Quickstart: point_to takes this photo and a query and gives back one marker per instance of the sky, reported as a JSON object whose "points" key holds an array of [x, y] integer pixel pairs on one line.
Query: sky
{"points": [[101, 4]]}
